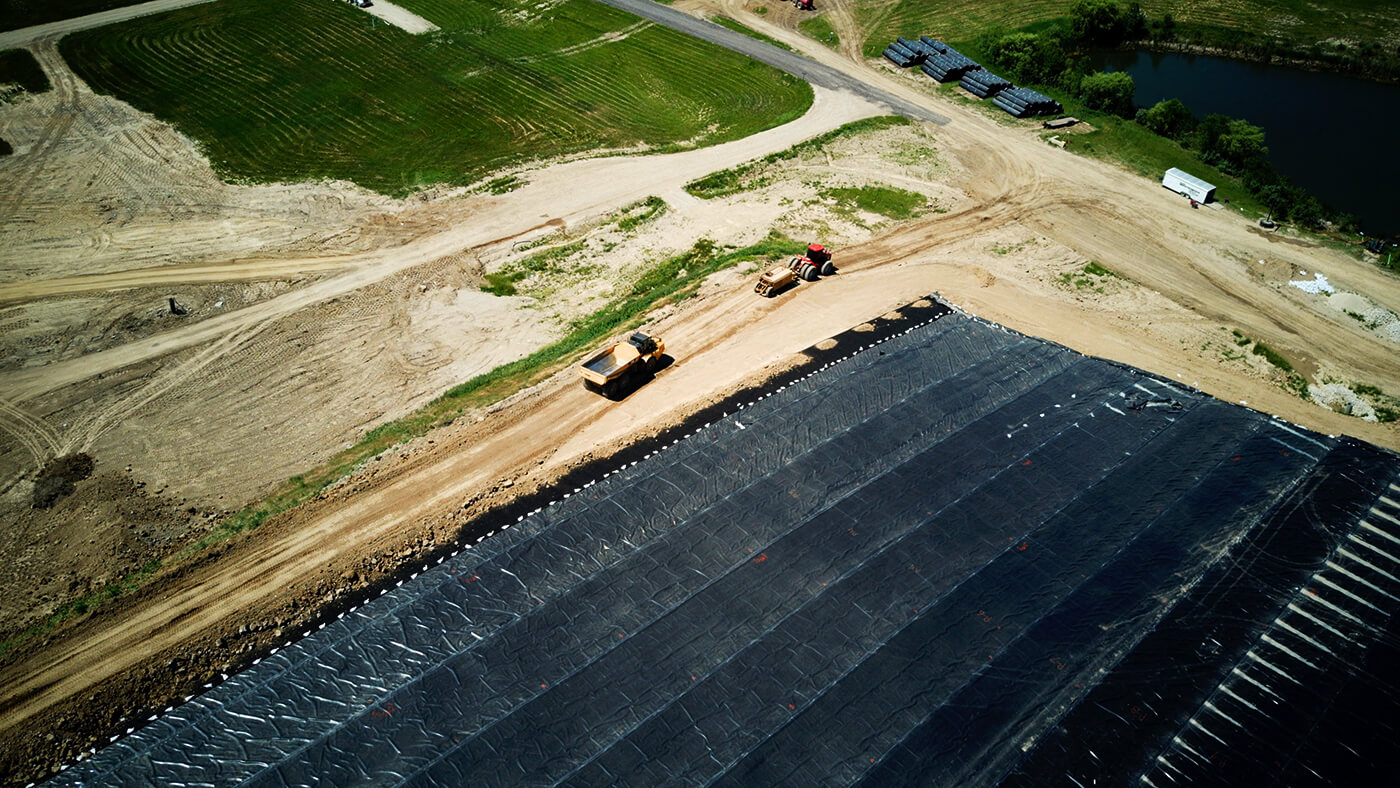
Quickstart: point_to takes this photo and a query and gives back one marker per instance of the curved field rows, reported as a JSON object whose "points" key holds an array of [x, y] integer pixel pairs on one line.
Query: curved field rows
{"points": [[392, 111]]}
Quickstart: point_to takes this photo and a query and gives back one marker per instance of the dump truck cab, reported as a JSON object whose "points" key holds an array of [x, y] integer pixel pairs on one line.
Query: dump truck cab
{"points": [[616, 369]]}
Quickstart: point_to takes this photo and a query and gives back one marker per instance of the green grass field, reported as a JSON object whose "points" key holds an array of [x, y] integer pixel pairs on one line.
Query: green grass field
{"points": [[1297, 23], [887, 201], [820, 29], [298, 89]]}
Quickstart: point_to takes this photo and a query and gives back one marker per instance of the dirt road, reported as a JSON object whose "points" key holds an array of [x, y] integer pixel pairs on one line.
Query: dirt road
{"points": [[1021, 215], [826, 75], [14, 39]]}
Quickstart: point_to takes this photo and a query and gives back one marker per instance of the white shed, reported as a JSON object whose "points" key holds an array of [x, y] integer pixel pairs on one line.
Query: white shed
{"points": [[1189, 185]]}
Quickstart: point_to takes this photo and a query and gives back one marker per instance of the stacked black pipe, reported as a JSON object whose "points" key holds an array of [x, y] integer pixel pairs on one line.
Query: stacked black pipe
{"points": [[982, 83], [928, 47], [1025, 103], [951, 65], [935, 46], [904, 53]]}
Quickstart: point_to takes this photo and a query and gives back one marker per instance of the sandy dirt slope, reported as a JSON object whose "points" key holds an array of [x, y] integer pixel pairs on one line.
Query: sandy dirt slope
{"points": [[328, 323]]}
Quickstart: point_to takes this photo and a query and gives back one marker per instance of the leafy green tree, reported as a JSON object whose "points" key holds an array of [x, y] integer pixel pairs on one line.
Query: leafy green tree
{"points": [[1134, 23], [1236, 146], [1208, 133], [1171, 119], [1308, 212], [1016, 53], [1242, 144], [1029, 57], [1096, 22], [1278, 199], [1108, 91], [1166, 29]]}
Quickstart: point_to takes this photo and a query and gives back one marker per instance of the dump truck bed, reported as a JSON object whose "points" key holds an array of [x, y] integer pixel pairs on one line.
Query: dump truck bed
{"points": [[609, 371], [606, 363]]}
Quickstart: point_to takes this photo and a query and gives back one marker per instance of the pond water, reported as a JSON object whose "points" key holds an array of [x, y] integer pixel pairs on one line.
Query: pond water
{"points": [[1332, 135]]}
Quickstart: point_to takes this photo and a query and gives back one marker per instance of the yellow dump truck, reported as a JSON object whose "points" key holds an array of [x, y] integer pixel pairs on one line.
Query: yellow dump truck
{"points": [[615, 370]]}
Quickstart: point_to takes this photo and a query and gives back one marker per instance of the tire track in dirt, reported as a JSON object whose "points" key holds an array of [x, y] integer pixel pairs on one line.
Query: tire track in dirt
{"points": [[242, 271], [64, 84], [38, 438], [84, 433], [848, 30]]}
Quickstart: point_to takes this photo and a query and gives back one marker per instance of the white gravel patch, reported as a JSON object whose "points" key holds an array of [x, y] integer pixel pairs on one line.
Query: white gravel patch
{"points": [[1341, 399], [400, 17], [1318, 284], [1376, 318]]}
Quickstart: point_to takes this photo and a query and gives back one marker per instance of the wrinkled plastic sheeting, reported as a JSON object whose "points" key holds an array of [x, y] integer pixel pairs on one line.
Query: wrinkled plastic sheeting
{"points": [[946, 532]]}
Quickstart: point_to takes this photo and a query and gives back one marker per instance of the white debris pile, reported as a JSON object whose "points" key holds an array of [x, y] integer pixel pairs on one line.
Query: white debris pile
{"points": [[1318, 284], [1375, 318], [1341, 399]]}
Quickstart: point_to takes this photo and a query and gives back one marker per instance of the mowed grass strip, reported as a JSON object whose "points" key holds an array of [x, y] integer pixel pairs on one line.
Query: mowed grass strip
{"points": [[1295, 22], [280, 90]]}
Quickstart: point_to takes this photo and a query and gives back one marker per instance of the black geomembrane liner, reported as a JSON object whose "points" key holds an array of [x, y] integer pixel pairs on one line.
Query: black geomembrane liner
{"points": [[940, 553]]}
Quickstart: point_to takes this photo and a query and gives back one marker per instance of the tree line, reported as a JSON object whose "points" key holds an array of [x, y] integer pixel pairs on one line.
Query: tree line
{"points": [[1058, 57]]}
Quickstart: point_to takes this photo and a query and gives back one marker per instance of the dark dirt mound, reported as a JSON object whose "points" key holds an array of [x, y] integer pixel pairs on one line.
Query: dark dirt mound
{"points": [[88, 528], [58, 478]]}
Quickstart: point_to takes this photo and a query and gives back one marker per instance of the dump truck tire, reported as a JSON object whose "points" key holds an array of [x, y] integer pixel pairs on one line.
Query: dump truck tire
{"points": [[828, 269]]}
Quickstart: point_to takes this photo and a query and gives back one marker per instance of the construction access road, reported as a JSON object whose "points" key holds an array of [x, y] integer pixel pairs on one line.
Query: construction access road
{"points": [[25, 36], [318, 311]]}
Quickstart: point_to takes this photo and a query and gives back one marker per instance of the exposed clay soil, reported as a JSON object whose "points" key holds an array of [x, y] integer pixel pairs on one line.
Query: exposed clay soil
{"points": [[314, 312]]}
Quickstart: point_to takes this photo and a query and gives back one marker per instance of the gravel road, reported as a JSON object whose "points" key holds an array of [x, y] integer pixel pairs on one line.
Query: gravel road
{"points": [[790, 62], [12, 39]]}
